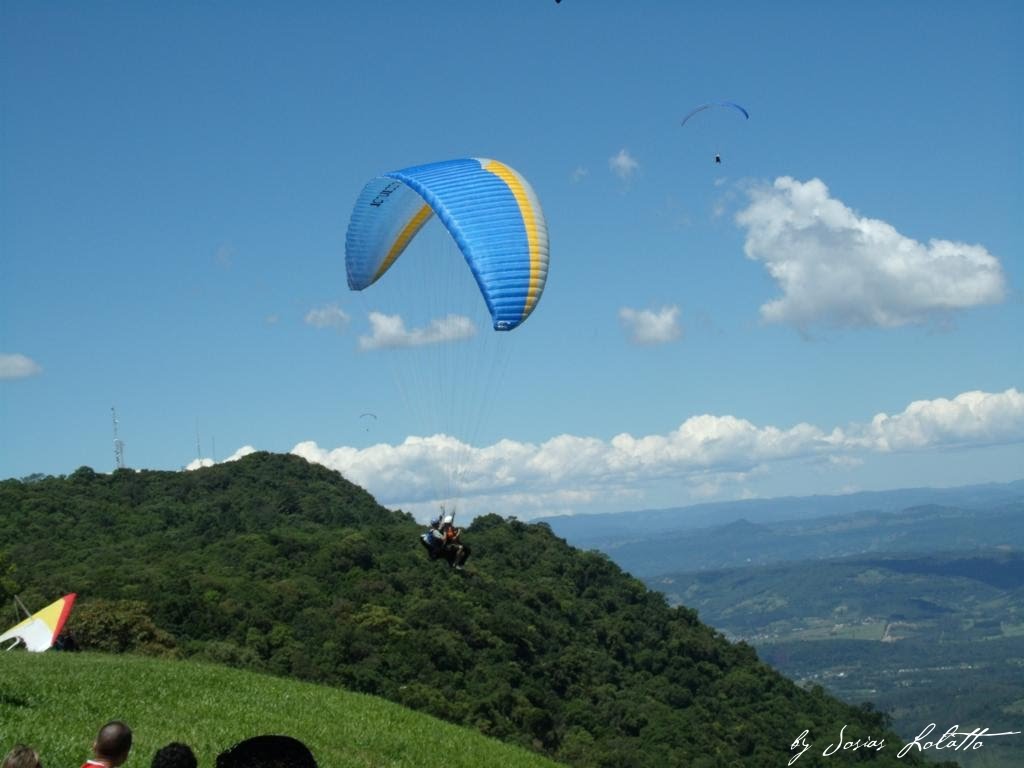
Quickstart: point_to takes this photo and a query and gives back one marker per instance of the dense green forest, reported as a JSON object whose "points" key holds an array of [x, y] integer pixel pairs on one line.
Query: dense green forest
{"points": [[273, 564]]}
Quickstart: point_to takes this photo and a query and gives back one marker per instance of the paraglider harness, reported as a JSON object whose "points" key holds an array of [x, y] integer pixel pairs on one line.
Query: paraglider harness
{"points": [[443, 539]]}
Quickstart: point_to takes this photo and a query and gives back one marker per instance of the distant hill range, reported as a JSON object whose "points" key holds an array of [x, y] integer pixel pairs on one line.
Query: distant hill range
{"points": [[761, 531], [961, 596]]}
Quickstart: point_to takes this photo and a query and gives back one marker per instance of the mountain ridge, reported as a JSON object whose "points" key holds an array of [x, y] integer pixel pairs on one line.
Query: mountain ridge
{"points": [[605, 531]]}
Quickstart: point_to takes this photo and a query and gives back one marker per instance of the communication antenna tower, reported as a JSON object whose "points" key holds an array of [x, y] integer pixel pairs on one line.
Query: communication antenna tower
{"points": [[118, 443]]}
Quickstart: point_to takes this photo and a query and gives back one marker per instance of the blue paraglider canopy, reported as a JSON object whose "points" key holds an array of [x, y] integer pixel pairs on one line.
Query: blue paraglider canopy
{"points": [[726, 104], [491, 212]]}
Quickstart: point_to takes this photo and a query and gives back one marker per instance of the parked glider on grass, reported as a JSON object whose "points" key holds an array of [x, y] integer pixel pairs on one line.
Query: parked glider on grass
{"points": [[40, 630]]}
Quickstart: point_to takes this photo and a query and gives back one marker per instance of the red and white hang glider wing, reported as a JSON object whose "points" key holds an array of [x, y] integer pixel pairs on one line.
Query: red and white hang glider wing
{"points": [[39, 631]]}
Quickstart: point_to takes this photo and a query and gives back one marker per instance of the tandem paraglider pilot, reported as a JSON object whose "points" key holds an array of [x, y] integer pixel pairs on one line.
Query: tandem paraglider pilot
{"points": [[443, 539]]}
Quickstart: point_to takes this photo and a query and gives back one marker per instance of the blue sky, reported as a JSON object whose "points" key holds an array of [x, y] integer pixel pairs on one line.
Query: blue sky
{"points": [[835, 307]]}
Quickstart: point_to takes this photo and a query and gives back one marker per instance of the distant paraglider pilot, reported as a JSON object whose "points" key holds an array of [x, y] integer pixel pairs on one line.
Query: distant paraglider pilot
{"points": [[727, 105]]}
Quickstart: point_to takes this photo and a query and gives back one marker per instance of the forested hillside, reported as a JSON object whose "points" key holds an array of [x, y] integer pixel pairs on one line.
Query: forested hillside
{"points": [[273, 564]]}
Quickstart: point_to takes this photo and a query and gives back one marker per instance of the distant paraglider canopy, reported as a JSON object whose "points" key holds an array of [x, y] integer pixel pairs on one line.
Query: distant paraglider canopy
{"points": [[726, 104], [714, 132]]}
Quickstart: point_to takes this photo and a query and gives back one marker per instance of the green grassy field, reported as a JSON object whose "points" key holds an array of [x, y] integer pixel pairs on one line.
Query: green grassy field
{"points": [[56, 702]]}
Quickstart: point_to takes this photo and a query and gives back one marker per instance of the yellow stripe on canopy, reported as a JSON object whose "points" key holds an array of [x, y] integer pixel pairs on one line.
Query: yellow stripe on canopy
{"points": [[511, 178], [407, 234]]}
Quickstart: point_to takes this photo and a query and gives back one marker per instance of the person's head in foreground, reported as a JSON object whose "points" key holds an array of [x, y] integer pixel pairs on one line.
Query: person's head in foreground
{"points": [[22, 756], [112, 745], [174, 755]]}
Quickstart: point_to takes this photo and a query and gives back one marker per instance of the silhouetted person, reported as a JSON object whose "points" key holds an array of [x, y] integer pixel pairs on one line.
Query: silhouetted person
{"points": [[112, 745], [267, 752], [174, 755], [22, 756]]}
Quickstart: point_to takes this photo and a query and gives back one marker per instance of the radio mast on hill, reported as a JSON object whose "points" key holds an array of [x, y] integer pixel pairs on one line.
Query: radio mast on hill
{"points": [[118, 443]]}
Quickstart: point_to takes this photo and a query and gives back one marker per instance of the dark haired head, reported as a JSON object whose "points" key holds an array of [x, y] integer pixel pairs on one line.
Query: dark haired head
{"points": [[174, 755]]}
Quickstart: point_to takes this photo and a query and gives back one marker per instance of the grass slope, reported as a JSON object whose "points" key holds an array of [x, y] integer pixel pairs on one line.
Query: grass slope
{"points": [[57, 701]]}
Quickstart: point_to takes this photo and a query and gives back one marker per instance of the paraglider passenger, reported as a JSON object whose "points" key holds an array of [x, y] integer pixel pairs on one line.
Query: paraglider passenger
{"points": [[718, 159], [455, 552]]}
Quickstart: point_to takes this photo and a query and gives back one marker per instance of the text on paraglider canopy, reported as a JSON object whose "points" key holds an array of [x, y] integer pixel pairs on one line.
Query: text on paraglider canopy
{"points": [[384, 194]]}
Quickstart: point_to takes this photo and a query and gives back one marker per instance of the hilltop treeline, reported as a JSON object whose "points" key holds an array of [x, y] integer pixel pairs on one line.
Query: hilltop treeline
{"points": [[274, 564]]}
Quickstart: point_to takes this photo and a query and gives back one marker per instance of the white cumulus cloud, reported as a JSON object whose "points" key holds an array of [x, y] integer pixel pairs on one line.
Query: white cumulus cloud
{"points": [[623, 165], [200, 463], [971, 418], [837, 268], [704, 452], [646, 326], [18, 367], [390, 331], [331, 316]]}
